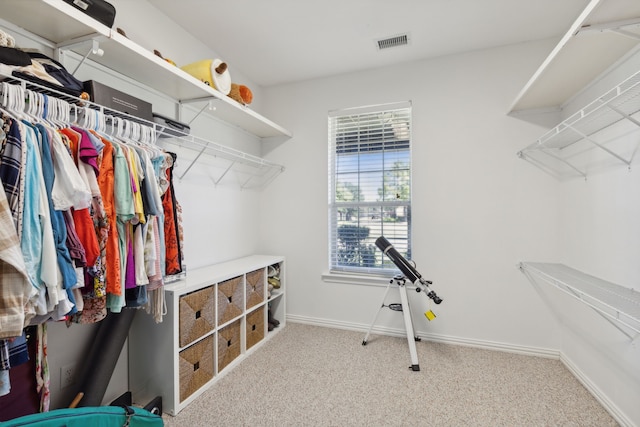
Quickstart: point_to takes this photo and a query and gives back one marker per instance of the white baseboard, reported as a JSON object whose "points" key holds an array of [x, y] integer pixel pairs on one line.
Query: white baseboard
{"points": [[396, 332], [608, 405]]}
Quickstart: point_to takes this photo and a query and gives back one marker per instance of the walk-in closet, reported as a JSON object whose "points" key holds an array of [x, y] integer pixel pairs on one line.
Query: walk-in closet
{"points": [[326, 213]]}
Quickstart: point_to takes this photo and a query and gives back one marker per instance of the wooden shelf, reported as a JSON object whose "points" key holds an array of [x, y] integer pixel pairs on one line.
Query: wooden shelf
{"points": [[69, 29], [617, 304]]}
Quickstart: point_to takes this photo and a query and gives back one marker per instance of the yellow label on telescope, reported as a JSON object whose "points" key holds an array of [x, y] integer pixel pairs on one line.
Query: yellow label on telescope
{"points": [[430, 315]]}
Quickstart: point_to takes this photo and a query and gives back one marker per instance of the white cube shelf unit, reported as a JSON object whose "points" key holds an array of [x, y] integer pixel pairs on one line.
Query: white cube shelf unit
{"points": [[215, 317]]}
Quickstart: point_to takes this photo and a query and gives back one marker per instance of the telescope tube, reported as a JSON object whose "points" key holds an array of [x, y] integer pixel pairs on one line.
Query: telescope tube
{"points": [[405, 267]]}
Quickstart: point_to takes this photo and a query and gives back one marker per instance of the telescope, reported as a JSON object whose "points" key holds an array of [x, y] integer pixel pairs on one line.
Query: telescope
{"points": [[407, 269]]}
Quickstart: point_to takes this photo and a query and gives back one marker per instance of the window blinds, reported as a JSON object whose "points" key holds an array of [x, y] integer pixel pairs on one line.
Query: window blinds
{"points": [[370, 186]]}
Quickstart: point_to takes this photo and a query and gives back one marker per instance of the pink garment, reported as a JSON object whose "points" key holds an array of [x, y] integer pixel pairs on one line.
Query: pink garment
{"points": [[130, 277]]}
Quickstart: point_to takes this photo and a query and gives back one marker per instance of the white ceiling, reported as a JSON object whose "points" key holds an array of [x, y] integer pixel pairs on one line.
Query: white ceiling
{"points": [[282, 41]]}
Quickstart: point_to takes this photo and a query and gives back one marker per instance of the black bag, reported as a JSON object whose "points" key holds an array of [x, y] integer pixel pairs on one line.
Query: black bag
{"points": [[99, 10], [13, 56], [57, 71], [169, 128]]}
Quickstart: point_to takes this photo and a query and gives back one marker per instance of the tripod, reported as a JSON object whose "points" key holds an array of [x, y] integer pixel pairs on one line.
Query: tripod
{"points": [[408, 322]]}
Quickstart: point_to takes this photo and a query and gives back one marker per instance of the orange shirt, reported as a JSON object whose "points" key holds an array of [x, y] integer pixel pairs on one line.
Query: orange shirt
{"points": [[82, 217], [106, 184]]}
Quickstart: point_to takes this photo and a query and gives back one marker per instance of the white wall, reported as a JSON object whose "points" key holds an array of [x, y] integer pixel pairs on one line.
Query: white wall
{"points": [[601, 236], [477, 211]]}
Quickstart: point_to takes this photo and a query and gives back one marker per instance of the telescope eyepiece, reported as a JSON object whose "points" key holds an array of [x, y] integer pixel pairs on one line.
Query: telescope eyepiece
{"points": [[434, 297]]}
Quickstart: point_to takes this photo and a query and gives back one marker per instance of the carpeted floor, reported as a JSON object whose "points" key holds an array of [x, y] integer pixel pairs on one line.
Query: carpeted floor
{"points": [[315, 376]]}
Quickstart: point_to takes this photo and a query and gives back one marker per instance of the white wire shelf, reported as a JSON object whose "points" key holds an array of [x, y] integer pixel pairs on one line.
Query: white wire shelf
{"points": [[224, 164], [605, 133], [617, 304]]}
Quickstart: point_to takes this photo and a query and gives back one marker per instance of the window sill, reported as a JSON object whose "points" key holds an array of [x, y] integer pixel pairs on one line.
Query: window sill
{"points": [[355, 279]]}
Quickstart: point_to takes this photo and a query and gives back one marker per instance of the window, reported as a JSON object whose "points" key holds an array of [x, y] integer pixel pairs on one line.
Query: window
{"points": [[370, 186]]}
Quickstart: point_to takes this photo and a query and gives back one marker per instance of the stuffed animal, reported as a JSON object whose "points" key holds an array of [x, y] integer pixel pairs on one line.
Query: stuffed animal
{"points": [[212, 72], [157, 53], [7, 40], [241, 94]]}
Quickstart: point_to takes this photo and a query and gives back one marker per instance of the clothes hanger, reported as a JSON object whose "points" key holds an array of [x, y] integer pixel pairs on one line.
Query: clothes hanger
{"points": [[61, 112], [4, 101], [28, 106], [102, 122], [50, 112], [120, 128], [16, 101], [95, 124], [42, 107], [65, 109], [75, 113]]}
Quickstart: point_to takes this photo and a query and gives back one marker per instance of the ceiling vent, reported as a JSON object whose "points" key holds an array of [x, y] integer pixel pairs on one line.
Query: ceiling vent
{"points": [[399, 40]]}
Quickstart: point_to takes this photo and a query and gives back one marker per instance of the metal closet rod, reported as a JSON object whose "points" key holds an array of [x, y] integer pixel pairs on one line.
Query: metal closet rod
{"points": [[77, 102], [204, 145]]}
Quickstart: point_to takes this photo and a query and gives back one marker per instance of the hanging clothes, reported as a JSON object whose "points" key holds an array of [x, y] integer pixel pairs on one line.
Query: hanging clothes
{"points": [[106, 185], [15, 288], [57, 218], [89, 207], [89, 222], [12, 157], [171, 228]]}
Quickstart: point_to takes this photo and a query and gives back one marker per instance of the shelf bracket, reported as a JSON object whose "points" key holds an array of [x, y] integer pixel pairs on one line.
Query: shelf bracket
{"points": [[95, 49], [93, 39], [560, 159], [616, 27], [208, 106], [625, 115], [632, 120], [541, 165], [194, 161], [628, 34], [597, 144], [245, 183], [224, 173], [580, 296], [201, 99]]}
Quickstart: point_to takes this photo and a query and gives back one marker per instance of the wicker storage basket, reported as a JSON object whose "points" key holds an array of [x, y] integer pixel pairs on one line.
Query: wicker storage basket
{"points": [[197, 315], [255, 287], [196, 366], [230, 299], [228, 344], [255, 327]]}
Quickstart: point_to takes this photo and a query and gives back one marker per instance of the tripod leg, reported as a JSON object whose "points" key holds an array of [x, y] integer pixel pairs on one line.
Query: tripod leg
{"points": [[373, 322], [408, 324]]}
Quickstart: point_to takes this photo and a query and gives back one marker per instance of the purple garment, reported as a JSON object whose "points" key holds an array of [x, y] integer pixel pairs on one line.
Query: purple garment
{"points": [[130, 277], [86, 150], [76, 250]]}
